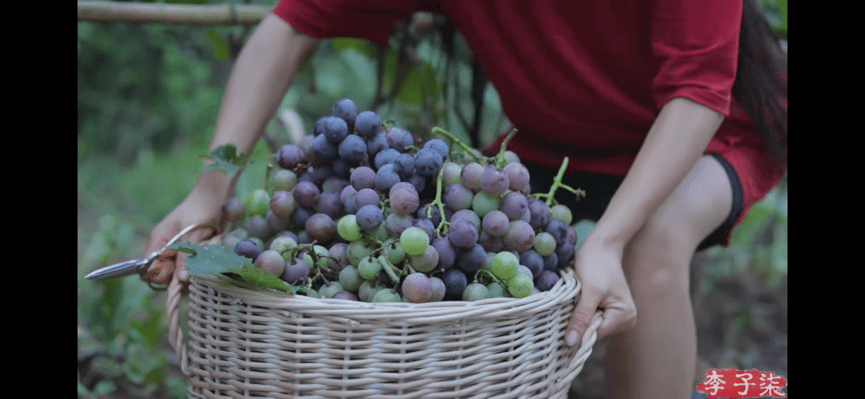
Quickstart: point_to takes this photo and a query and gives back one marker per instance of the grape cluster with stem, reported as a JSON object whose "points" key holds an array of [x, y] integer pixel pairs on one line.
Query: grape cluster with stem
{"points": [[360, 210]]}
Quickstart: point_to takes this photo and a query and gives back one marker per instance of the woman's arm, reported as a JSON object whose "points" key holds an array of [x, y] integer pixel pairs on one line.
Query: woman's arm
{"points": [[261, 75], [675, 142]]}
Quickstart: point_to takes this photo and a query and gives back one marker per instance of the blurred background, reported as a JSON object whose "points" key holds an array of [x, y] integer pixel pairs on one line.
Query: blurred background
{"points": [[148, 96]]}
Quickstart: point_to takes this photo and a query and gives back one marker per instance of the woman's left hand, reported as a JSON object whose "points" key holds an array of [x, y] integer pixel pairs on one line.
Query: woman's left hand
{"points": [[599, 270]]}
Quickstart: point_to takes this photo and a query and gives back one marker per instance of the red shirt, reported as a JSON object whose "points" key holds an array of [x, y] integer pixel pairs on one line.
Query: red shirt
{"points": [[582, 79]]}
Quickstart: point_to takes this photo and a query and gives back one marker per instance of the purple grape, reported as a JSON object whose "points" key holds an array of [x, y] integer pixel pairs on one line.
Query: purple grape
{"points": [[551, 262], [422, 214], [335, 130], [376, 144], [345, 295], [403, 165], [395, 224], [318, 129], [565, 253], [471, 259], [323, 149], [369, 217], [494, 181], [334, 184], [546, 280], [463, 233], [289, 156], [385, 178], [399, 139], [257, 226], [519, 237], [417, 288], [534, 261], [455, 283], [418, 181], [518, 176], [366, 196], [470, 176], [346, 110], [495, 223], [457, 196], [300, 215], [367, 124], [321, 228], [295, 270], [352, 149], [306, 194], [362, 177], [558, 229], [404, 198], [427, 162], [270, 261], [282, 204], [438, 146], [468, 215], [446, 251], [514, 205], [386, 156], [247, 248], [540, 213], [341, 167], [275, 223], [233, 209], [427, 226]]}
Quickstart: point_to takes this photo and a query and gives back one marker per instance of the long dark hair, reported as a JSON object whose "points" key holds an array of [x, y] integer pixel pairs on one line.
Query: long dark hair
{"points": [[761, 80]]}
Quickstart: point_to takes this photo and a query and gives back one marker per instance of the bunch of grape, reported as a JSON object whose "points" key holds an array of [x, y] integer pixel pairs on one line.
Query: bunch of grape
{"points": [[361, 211]]}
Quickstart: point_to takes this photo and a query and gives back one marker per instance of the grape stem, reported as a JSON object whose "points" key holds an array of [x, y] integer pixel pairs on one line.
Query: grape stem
{"points": [[557, 184], [389, 268], [500, 157], [453, 139], [441, 229]]}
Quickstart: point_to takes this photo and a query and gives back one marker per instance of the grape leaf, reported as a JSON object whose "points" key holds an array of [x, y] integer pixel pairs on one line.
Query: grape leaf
{"points": [[225, 159], [216, 259]]}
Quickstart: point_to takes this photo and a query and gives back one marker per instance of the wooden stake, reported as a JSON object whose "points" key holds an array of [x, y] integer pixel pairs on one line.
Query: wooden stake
{"points": [[171, 14]]}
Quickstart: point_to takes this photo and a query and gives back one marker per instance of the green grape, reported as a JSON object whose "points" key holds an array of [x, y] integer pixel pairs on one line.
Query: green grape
{"points": [[258, 203], [350, 279], [327, 291], [504, 265], [563, 213], [545, 243], [395, 253], [414, 240], [476, 292], [356, 251], [496, 290], [520, 286], [348, 228], [483, 203], [386, 295], [369, 267]]}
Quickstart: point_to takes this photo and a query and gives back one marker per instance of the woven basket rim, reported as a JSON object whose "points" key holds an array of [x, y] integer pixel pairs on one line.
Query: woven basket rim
{"points": [[565, 290]]}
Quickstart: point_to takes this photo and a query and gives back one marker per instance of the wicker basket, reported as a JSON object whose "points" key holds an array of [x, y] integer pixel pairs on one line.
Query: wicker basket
{"points": [[248, 342]]}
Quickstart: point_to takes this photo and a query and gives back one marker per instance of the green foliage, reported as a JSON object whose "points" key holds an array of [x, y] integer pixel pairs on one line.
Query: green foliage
{"points": [[225, 159]]}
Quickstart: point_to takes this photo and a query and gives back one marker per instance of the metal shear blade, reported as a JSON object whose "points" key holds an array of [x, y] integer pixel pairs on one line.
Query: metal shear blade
{"points": [[137, 266]]}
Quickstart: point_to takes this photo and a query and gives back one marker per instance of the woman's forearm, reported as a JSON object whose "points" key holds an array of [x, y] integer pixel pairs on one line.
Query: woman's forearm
{"points": [[258, 82], [672, 147]]}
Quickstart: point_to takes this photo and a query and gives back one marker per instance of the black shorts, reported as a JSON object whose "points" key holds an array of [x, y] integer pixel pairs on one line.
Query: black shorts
{"points": [[600, 188]]}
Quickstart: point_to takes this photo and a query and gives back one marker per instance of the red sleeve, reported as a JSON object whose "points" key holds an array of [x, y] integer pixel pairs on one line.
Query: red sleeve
{"points": [[371, 20], [696, 45]]}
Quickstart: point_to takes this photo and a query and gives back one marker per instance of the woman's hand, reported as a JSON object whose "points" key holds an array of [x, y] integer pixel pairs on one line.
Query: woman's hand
{"points": [[203, 205], [599, 270]]}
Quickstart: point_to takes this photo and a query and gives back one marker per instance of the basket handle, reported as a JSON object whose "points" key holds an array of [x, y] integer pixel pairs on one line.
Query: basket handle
{"points": [[176, 289], [585, 349]]}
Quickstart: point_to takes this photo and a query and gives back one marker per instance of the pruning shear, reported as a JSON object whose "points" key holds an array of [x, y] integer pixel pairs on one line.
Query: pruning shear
{"points": [[139, 266]]}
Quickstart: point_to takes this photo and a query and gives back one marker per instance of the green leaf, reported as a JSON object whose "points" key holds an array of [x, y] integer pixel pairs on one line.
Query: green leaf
{"points": [[226, 159], [221, 50], [216, 259]]}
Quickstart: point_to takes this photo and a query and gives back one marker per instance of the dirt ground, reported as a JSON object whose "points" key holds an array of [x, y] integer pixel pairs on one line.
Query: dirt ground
{"points": [[741, 324]]}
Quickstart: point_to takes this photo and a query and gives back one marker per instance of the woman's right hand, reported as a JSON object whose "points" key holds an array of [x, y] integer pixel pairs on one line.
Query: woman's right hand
{"points": [[203, 205]]}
